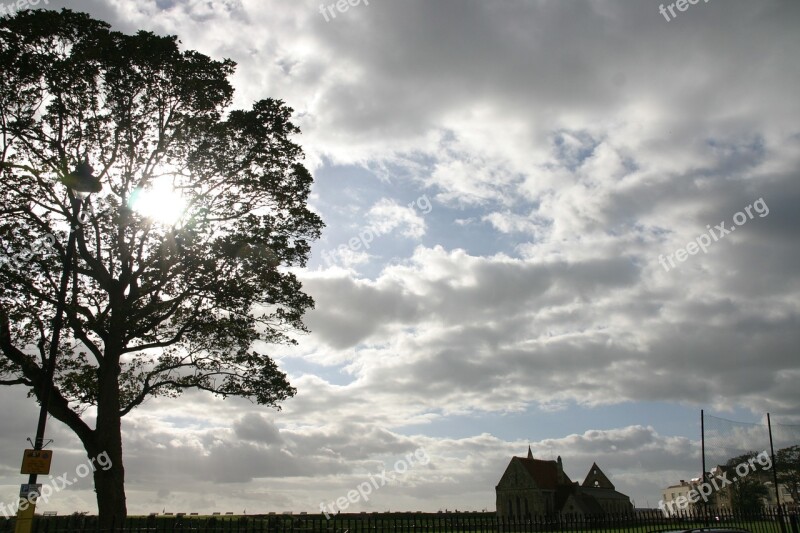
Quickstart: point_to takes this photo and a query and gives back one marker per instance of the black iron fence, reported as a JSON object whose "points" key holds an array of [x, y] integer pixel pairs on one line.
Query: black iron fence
{"points": [[764, 521]]}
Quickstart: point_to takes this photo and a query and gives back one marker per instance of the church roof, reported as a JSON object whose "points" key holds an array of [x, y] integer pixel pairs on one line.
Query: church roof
{"points": [[596, 478], [544, 473], [585, 503], [595, 492], [588, 504]]}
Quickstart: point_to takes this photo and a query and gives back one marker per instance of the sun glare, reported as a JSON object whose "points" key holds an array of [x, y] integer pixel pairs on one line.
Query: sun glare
{"points": [[159, 202]]}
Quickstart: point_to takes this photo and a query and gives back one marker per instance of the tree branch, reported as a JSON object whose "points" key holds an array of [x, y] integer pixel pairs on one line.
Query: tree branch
{"points": [[20, 381], [58, 406]]}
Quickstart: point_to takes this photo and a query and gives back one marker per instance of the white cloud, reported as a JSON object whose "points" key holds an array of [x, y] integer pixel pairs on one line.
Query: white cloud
{"points": [[566, 146], [387, 215]]}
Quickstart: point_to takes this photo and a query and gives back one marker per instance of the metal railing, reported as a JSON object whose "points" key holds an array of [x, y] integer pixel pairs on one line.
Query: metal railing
{"points": [[763, 521]]}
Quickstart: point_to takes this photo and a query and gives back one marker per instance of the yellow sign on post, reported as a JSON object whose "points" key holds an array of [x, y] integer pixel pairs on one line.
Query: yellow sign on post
{"points": [[36, 462], [25, 516]]}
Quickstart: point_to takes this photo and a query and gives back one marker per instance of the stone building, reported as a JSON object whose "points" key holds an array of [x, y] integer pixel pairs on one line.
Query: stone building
{"points": [[537, 487], [686, 496]]}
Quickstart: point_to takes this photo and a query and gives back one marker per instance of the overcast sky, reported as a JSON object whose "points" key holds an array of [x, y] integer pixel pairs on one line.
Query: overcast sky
{"points": [[510, 189]]}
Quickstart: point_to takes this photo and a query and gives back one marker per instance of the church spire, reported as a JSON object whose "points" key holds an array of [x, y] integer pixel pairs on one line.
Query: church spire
{"points": [[530, 453]]}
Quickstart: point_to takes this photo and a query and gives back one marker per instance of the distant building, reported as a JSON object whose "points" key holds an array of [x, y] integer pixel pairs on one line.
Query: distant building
{"points": [[676, 497], [786, 496], [674, 494], [537, 487]]}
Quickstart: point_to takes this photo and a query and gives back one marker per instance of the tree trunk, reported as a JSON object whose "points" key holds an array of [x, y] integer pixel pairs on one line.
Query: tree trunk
{"points": [[110, 487], [106, 449]]}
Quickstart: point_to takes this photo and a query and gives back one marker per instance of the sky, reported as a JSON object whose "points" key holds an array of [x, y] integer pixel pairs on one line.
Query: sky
{"points": [[557, 223]]}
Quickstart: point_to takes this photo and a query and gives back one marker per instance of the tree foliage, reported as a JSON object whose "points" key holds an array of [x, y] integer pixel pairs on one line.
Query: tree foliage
{"points": [[787, 468], [746, 492], [152, 308]]}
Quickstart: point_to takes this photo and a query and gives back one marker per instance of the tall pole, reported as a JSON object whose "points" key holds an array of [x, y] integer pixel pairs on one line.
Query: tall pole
{"points": [[775, 475], [58, 324], [703, 460], [24, 518]]}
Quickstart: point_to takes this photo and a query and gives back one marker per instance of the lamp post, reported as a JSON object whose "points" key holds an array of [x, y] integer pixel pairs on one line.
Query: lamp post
{"points": [[81, 183]]}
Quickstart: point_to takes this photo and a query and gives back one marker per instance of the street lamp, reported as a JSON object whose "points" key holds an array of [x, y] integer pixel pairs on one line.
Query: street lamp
{"points": [[81, 183]]}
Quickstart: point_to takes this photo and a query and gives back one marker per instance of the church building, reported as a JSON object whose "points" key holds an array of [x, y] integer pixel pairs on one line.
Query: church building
{"points": [[536, 487]]}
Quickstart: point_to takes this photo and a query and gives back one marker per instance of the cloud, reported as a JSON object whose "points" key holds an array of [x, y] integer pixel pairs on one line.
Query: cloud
{"points": [[255, 428], [387, 215], [566, 146]]}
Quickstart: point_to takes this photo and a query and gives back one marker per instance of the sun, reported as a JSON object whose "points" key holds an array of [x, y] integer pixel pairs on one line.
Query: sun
{"points": [[159, 202]]}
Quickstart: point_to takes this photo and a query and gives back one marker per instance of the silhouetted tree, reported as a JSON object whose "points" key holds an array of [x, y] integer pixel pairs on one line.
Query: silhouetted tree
{"points": [[152, 309]]}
